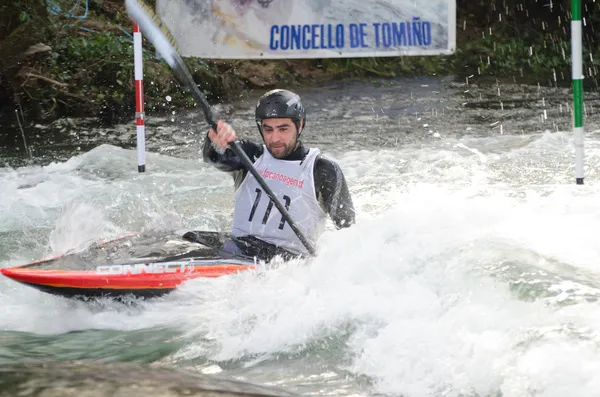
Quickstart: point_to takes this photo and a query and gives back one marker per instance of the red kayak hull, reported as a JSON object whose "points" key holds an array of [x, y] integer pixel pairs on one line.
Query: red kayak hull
{"points": [[116, 280], [120, 279], [132, 265]]}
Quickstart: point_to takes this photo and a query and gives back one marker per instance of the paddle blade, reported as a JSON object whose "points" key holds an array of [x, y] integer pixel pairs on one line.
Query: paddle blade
{"points": [[158, 34], [153, 29]]}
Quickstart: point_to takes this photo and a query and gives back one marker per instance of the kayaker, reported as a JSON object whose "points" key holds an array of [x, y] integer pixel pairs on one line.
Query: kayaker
{"points": [[310, 185]]}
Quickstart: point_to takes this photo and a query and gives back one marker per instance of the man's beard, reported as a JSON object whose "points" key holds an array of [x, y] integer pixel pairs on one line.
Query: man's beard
{"points": [[282, 151]]}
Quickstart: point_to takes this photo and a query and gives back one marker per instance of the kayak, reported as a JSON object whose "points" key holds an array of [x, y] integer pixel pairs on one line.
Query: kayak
{"points": [[139, 265]]}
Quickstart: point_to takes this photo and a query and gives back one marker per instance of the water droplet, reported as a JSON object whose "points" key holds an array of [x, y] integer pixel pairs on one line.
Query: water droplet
{"points": [[168, 98]]}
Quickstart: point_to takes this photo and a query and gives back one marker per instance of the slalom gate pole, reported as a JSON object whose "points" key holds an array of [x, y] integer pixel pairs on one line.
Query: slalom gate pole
{"points": [[139, 98], [577, 76]]}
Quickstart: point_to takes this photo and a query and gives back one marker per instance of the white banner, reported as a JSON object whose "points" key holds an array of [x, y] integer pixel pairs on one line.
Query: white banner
{"points": [[251, 29]]}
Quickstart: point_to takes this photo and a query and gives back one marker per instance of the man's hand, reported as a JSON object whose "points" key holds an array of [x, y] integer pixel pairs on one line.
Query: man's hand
{"points": [[223, 135]]}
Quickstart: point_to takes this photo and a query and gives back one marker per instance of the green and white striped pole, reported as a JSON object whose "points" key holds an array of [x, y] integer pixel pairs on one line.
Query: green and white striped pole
{"points": [[577, 71]]}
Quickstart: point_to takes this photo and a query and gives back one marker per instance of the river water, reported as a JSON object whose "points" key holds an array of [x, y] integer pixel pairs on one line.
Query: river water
{"points": [[472, 270]]}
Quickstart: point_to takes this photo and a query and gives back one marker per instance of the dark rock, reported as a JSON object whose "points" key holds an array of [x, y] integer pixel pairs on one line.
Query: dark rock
{"points": [[99, 379]]}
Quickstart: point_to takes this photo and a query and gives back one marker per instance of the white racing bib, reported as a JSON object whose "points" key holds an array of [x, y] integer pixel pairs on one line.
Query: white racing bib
{"points": [[292, 182]]}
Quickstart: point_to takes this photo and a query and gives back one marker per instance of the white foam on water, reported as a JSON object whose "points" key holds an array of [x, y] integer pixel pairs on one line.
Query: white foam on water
{"points": [[413, 279], [414, 295], [66, 206], [430, 320]]}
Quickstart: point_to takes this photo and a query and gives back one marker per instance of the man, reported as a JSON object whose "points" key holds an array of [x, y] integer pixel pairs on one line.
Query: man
{"points": [[309, 185]]}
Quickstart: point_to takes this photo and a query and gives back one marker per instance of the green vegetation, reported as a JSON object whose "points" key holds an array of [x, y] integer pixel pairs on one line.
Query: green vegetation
{"points": [[53, 63]]}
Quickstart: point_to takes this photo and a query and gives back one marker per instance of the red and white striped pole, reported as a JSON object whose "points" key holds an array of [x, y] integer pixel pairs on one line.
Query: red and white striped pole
{"points": [[139, 98]]}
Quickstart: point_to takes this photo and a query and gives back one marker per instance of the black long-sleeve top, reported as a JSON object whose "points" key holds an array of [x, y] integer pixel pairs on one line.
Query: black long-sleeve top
{"points": [[330, 185]]}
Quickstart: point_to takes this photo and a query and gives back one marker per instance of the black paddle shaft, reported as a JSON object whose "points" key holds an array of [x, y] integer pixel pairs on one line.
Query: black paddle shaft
{"points": [[185, 78]]}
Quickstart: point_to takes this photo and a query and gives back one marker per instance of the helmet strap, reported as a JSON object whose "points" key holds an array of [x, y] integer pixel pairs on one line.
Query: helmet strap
{"points": [[259, 128], [299, 127]]}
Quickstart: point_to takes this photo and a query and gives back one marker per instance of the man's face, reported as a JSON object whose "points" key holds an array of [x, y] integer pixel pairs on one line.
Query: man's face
{"points": [[280, 136]]}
